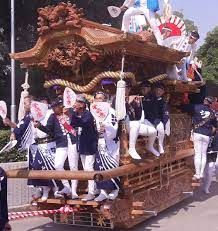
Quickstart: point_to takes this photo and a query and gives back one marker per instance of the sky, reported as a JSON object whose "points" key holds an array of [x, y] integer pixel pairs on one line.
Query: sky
{"points": [[203, 13]]}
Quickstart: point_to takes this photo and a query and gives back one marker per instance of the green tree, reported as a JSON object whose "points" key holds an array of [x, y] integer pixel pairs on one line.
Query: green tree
{"points": [[208, 53]]}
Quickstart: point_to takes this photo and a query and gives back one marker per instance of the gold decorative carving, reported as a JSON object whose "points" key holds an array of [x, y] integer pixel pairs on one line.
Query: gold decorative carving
{"points": [[53, 17]]}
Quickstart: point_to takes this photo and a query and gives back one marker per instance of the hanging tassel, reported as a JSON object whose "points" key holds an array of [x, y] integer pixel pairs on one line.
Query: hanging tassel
{"points": [[120, 104], [167, 12], [24, 93]]}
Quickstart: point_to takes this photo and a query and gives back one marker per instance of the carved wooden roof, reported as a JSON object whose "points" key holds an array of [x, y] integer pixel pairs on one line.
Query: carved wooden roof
{"points": [[63, 24]]}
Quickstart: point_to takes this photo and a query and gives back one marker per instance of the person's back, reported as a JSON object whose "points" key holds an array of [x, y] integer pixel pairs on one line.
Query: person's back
{"points": [[203, 119]]}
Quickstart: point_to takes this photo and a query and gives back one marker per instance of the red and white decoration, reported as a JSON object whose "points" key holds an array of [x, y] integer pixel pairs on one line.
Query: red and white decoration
{"points": [[114, 11], [69, 97], [38, 110], [3, 109], [26, 214], [175, 24], [100, 110]]}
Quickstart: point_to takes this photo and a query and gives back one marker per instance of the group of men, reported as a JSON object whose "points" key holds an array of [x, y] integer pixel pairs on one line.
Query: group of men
{"points": [[71, 133], [74, 133], [184, 43], [148, 116]]}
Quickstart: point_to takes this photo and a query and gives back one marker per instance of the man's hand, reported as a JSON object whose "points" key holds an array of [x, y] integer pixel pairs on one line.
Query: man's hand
{"points": [[36, 124], [12, 137], [181, 62], [123, 8], [102, 128], [65, 111], [8, 122], [134, 98]]}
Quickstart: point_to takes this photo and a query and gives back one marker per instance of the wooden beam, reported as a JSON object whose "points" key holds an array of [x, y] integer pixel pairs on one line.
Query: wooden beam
{"points": [[69, 202], [94, 175]]}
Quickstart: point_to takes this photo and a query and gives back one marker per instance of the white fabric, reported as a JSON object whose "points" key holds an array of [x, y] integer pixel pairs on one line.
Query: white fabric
{"points": [[133, 133], [160, 136], [37, 132], [128, 3], [73, 157], [88, 165], [180, 43], [150, 16], [147, 129], [144, 128], [110, 134], [3, 109], [21, 111], [209, 172], [120, 105], [201, 143]]}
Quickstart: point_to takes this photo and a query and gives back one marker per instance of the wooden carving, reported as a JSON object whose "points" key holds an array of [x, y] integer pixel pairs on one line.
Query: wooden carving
{"points": [[52, 17], [70, 55]]}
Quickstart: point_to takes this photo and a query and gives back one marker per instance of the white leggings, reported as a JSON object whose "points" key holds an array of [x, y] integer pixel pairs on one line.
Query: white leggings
{"points": [[201, 143], [88, 165], [209, 172], [73, 158]]}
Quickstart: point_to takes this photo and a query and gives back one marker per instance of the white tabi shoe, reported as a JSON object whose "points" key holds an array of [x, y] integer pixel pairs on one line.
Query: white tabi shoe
{"points": [[153, 151], [45, 193], [113, 195], [88, 197], [196, 177], [37, 194], [134, 154], [102, 196], [206, 191], [60, 194], [161, 149], [74, 196]]}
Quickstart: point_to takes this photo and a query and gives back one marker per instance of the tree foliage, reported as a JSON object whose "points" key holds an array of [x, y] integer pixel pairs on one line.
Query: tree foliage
{"points": [[208, 53], [26, 34]]}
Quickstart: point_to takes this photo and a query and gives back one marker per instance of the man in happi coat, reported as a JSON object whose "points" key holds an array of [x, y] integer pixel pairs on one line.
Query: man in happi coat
{"points": [[42, 157], [59, 127], [82, 119], [204, 121], [184, 44], [23, 132], [108, 154], [146, 7]]}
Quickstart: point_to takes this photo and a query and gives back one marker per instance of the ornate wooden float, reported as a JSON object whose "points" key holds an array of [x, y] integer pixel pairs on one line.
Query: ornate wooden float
{"points": [[71, 50]]}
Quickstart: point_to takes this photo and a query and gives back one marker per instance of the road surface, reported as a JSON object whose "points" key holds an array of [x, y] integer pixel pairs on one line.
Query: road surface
{"points": [[197, 213]]}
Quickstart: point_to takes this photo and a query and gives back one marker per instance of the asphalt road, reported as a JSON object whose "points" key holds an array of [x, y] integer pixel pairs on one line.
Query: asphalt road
{"points": [[199, 213]]}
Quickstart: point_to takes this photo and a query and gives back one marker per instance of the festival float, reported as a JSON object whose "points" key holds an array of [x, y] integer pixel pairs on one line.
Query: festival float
{"points": [[77, 53]]}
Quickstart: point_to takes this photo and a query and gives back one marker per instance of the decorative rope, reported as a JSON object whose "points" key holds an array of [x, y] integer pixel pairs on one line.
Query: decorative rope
{"points": [[26, 214], [92, 84], [158, 78]]}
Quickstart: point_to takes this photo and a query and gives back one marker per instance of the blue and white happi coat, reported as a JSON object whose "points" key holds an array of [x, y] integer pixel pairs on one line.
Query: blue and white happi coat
{"points": [[108, 151], [42, 156], [152, 5], [24, 133]]}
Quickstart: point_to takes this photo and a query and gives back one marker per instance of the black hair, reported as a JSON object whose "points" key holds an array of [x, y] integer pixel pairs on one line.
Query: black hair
{"points": [[100, 93], [195, 34]]}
